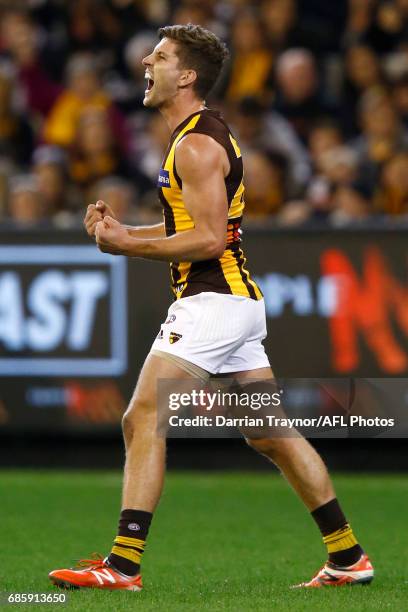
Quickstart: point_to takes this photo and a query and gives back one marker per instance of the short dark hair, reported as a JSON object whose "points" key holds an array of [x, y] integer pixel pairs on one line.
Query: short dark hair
{"points": [[200, 50]]}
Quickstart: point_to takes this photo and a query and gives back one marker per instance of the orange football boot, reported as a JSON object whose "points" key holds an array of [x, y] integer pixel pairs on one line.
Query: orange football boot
{"points": [[95, 573], [361, 572]]}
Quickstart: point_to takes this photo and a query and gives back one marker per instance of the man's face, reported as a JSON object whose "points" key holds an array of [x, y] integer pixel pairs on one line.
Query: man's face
{"points": [[298, 81], [163, 74]]}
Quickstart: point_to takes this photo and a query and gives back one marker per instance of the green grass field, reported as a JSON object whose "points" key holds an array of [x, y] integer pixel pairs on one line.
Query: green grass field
{"points": [[218, 542]]}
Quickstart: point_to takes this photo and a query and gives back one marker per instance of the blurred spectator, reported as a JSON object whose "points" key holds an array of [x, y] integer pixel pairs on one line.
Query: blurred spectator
{"points": [[270, 132], [336, 197], [26, 206], [84, 91], [389, 26], [382, 25], [251, 60], [400, 98], [316, 93], [21, 40], [351, 204], [104, 27], [279, 18], [51, 173], [19, 36], [392, 195], [294, 213], [382, 136], [93, 26], [136, 49], [339, 165], [120, 196], [323, 136], [96, 153], [192, 12], [137, 16], [129, 91], [327, 154], [264, 184], [360, 17], [210, 14], [16, 136], [362, 72], [335, 167], [284, 29], [148, 149], [298, 97]]}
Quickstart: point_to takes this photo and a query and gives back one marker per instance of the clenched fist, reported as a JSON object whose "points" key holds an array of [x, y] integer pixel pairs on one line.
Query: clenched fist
{"points": [[95, 213], [111, 236]]}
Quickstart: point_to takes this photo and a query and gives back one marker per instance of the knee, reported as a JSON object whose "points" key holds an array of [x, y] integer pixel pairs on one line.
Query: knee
{"points": [[271, 447], [127, 425], [137, 414]]}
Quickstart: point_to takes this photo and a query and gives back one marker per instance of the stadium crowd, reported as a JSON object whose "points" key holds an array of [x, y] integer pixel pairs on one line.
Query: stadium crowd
{"points": [[316, 93]]}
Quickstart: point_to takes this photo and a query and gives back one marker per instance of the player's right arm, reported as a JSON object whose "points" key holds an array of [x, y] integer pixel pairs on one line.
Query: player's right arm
{"points": [[147, 231], [96, 212]]}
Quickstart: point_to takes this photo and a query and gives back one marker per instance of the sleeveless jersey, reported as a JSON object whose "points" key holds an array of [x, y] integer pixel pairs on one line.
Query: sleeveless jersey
{"points": [[228, 273]]}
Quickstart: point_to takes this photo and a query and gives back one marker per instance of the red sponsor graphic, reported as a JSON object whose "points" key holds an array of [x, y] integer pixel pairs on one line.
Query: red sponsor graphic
{"points": [[368, 304], [102, 403]]}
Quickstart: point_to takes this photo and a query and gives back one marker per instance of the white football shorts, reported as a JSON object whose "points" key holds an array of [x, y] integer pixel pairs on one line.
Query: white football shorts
{"points": [[217, 332]]}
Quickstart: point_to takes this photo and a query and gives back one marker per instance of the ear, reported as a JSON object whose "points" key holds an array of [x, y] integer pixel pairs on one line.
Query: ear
{"points": [[187, 78]]}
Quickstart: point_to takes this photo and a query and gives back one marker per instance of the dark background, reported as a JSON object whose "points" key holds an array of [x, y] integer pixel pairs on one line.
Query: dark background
{"points": [[78, 424]]}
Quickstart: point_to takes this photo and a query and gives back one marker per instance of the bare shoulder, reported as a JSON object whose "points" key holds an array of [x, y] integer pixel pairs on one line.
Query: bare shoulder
{"points": [[199, 151]]}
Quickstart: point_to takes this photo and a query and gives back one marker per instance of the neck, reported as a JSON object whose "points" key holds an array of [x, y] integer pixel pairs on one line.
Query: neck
{"points": [[175, 113]]}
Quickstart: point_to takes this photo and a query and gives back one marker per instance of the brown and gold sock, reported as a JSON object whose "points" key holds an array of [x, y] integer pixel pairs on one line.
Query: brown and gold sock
{"points": [[130, 542], [342, 546]]}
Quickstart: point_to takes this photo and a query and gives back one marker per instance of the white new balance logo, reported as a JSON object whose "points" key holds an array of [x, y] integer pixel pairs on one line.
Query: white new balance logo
{"points": [[103, 573]]}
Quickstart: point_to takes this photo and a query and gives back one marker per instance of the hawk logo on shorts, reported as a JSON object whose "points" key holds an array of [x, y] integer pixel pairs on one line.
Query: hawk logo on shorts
{"points": [[174, 337]]}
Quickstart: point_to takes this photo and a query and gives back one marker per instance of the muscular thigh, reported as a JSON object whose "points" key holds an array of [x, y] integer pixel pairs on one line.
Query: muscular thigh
{"points": [[259, 373], [154, 369], [266, 377]]}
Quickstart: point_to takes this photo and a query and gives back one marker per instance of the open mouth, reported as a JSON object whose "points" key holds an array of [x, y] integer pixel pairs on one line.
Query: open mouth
{"points": [[150, 84]]}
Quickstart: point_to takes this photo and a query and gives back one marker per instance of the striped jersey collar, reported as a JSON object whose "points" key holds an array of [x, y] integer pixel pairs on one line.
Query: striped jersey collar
{"points": [[185, 121]]}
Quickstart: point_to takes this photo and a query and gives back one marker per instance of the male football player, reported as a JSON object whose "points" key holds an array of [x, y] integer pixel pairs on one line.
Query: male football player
{"points": [[216, 323]]}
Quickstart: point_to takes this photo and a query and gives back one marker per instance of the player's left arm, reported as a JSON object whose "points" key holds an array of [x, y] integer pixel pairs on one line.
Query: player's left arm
{"points": [[202, 164]]}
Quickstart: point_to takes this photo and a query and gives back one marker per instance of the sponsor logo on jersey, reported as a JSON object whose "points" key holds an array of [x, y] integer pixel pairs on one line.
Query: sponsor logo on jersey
{"points": [[163, 179], [171, 319], [160, 335], [174, 337]]}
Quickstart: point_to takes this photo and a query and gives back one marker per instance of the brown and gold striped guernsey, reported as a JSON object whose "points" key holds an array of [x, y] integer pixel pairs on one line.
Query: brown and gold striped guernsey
{"points": [[228, 273]]}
